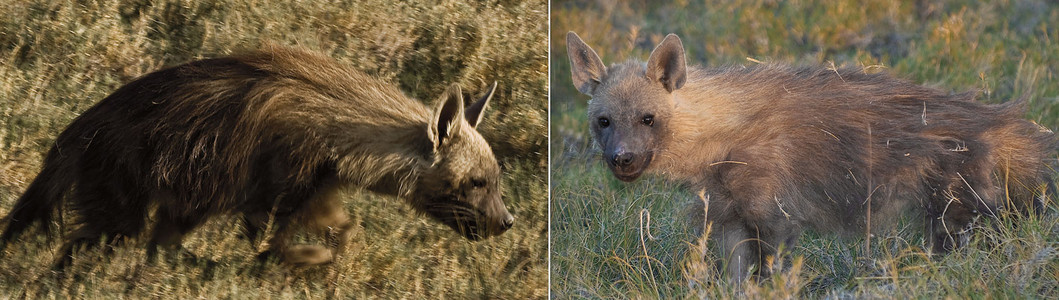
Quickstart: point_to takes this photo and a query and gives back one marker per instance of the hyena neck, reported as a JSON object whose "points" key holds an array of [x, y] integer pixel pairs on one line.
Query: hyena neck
{"points": [[397, 183], [710, 119], [386, 162]]}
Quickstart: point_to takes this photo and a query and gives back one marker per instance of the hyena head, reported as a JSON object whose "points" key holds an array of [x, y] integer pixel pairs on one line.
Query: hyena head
{"points": [[461, 188], [632, 103]]}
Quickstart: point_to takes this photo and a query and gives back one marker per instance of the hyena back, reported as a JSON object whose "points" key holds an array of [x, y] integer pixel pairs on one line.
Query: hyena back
{"points": [[270, 135], [781, 149]]}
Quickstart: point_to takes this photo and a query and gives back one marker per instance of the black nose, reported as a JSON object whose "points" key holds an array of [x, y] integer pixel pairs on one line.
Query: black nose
{"points": [[510, 221], [623, 159]]}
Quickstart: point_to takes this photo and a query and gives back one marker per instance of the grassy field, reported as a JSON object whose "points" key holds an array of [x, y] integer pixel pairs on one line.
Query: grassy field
{"points": [[57, 58], [611, 239]]}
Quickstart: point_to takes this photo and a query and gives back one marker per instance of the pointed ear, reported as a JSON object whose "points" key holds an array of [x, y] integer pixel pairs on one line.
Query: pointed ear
{"points": [[586, 67], [667, 64], [447, 115], [474, 112]]}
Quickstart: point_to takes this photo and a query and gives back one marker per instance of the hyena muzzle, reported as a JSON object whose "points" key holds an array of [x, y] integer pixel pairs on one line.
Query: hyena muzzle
{"points": [[779, 150], [271, 136]]}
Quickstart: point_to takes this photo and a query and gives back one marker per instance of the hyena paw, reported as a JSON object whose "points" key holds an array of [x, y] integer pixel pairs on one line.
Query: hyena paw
{"points": [[307, 255]]}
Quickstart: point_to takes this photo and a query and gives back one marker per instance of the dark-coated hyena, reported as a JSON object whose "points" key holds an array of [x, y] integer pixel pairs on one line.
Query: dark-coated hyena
{"points": [[781, 149], [270, 135]]}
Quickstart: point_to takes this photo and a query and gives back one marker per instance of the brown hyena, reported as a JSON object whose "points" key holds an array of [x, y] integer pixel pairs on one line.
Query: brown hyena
{"points": [[272, 136], [781, 149]]}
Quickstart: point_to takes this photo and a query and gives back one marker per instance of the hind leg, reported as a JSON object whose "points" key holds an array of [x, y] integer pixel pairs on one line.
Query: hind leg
{"points": [[107, 212], [84, 238]]}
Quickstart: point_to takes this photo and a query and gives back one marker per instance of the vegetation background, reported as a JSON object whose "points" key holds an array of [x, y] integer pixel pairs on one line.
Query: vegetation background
{"points": [[630, 240], [57, 58]]}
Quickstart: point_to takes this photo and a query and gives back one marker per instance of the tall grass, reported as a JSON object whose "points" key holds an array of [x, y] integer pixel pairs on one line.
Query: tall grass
{"points": [[603, 247], [57, 58]]}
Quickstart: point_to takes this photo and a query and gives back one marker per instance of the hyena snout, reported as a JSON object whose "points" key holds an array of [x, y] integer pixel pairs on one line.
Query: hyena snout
{"points": [[502, 221], [473, 224], [627, 165], [473, 221], [623, 159], [508, 222]]}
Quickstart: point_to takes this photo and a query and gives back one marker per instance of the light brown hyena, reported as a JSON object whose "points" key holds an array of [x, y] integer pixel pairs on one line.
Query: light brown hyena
{"points": [[782, 149], [273, 134]]}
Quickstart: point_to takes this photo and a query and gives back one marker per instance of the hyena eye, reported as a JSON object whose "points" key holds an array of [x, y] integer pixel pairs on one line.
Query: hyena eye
{"points": [[477, 183], [604, 122], [648, 120]]}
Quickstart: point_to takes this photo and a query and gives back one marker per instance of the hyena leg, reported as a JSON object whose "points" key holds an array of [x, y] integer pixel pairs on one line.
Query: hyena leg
{"points": [[948, 222], [257, 222], [953, 210], [770, 239], [324, 215], [275, 220], [254, 223], [106, 211], [328, 217], [171, 228], [737, 250], [279, 245]]}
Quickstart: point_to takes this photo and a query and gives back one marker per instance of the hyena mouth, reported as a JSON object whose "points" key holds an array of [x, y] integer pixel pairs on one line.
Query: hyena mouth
{"points": [[460, 216], [632, 170]]}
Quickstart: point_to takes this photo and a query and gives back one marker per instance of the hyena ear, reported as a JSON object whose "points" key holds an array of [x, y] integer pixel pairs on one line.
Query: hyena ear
{"points": [[586, 67], [474, 112], [667, 64], [447, 117]]}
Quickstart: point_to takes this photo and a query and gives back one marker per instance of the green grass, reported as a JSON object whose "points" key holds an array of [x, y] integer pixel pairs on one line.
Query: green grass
{"points": [[57, 58], [602, 245]]}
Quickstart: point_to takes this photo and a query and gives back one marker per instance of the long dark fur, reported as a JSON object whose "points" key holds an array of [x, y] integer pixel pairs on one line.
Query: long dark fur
{"points": [[268, 134]]}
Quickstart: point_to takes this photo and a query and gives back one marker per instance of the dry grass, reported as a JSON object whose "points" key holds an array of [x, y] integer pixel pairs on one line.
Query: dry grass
{"points": [[600, 248], [57, 58]]}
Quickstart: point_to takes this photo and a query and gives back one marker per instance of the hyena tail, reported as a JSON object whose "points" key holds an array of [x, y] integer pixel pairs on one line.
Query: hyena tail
{"points": [[40, 202]]}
